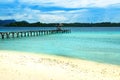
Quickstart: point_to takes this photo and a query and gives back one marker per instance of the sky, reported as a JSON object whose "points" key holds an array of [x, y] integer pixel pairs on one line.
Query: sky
{"points": [[61, 11]]}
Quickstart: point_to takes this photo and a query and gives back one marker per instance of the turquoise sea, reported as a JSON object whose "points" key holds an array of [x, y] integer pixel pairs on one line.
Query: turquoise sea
{"points": [[95, 44]]}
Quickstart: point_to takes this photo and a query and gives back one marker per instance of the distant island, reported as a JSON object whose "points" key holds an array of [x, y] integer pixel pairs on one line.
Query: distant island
{"points": [[5, 22], [13, 23]]}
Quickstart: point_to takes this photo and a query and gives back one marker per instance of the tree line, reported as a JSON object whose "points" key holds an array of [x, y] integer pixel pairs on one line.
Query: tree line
{"points": [[39, 24]]}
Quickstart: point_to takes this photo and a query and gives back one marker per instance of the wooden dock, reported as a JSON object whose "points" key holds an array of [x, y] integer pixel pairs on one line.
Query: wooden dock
{"points": [[17, 34]]}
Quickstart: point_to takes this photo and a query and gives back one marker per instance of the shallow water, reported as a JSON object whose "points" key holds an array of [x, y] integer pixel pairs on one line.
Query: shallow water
{"points": [[96, 44]]}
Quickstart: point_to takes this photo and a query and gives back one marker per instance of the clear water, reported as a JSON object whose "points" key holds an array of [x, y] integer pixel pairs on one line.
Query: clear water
{"points": [[96, 44]]}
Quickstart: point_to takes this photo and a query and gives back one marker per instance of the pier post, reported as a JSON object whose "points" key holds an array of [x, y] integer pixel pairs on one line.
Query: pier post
{"points": [[28, 33], [21, 34], [7, 35], [25, 34], [17, 34], [0, 35], [33, 33], [12, 34], [4, 35], [37, 33]]}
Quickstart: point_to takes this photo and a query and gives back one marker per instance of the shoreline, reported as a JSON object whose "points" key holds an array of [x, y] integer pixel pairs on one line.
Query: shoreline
{"points": [[29, 66]]}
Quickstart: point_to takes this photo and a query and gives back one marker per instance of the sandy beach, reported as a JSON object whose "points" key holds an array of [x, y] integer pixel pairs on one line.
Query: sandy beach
{"points": [[29, 66]]}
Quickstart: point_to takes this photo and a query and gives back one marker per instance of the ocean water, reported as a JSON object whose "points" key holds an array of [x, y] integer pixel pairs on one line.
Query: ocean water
{"points": [[95, 44]]}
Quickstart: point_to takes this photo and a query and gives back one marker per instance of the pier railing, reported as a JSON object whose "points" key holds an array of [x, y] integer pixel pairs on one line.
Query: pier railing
{"points": [[17, 34]]}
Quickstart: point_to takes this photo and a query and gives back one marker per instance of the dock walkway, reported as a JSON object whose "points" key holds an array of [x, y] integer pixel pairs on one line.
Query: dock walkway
{"points": [[17, 34]]}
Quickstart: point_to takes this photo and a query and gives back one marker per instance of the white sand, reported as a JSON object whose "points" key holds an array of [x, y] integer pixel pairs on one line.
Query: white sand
{"points": [[26, 66]]}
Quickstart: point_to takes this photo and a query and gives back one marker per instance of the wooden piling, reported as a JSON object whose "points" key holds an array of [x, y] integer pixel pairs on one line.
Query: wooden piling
{"points": [[4, 35]]}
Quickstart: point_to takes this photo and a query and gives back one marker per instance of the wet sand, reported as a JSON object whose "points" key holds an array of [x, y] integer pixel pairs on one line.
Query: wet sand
{"points": [[29, 66]]}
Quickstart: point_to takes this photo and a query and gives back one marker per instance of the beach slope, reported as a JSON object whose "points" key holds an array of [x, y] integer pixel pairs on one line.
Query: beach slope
{"points": [[29, 66]]}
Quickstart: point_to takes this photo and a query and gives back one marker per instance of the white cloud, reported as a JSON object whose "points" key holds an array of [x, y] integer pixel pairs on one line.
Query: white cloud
{"points": [[68, 12], [104, 3], [83, 15], [72, 3], [6, 1], [50, 18], [36, 15]]}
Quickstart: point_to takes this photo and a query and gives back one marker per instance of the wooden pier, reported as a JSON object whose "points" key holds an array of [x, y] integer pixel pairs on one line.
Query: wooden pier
{"points": [[17, 34]]}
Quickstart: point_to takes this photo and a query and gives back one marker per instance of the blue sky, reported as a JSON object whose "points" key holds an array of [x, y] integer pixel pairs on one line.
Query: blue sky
{"points": [[50, 11]]}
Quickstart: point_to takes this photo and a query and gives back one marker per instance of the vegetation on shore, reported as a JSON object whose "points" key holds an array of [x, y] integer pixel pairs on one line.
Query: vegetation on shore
{"points": [[39, 24]]}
